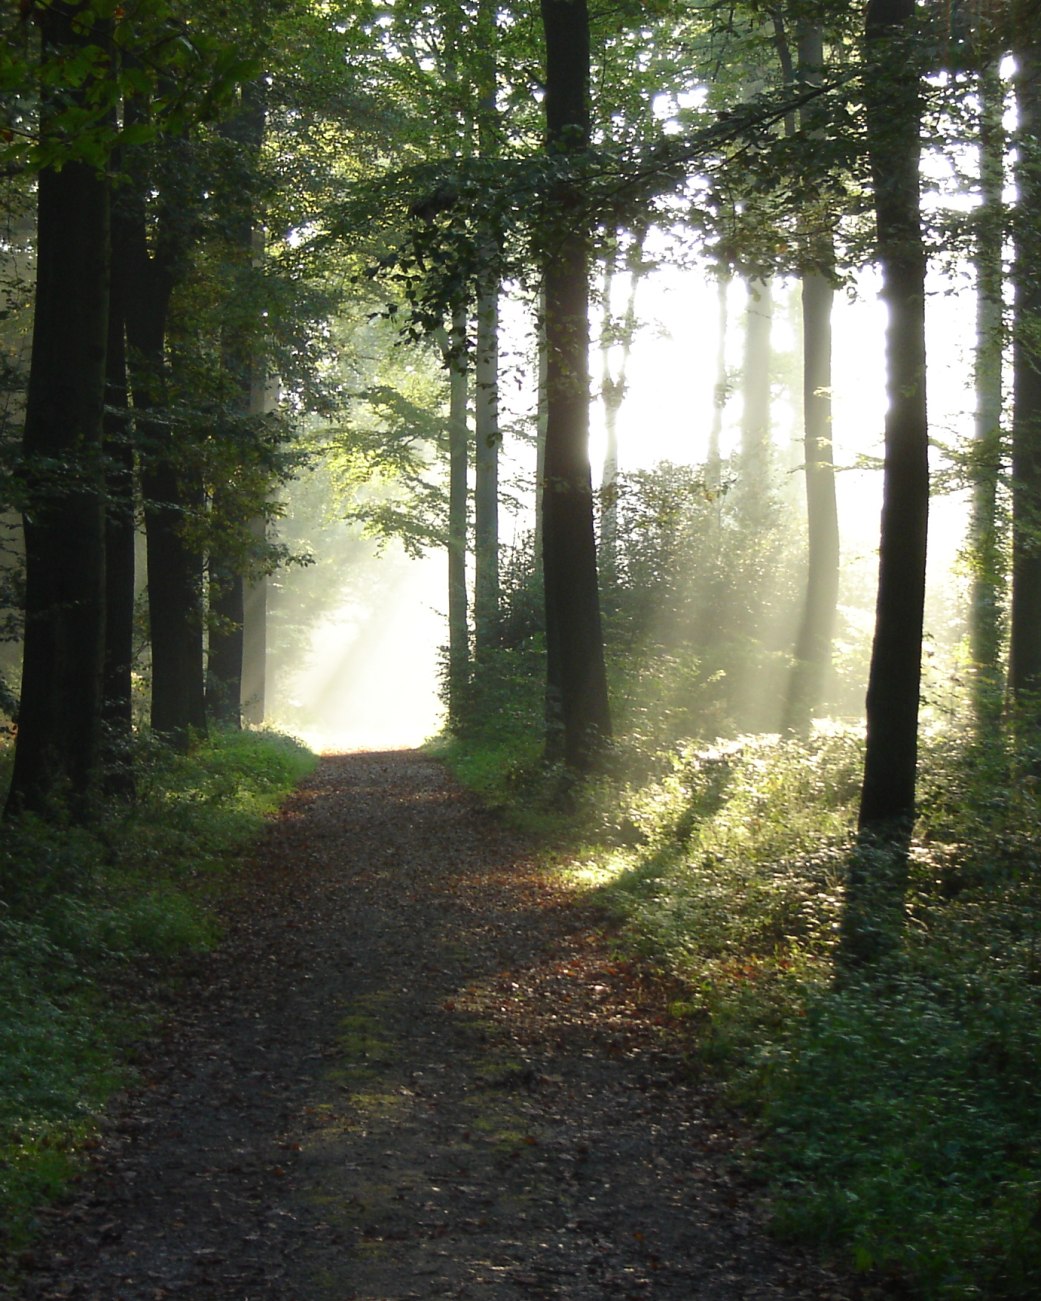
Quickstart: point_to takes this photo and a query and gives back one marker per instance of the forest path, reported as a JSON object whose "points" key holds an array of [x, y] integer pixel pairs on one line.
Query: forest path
{"points": [[412, 1069]]}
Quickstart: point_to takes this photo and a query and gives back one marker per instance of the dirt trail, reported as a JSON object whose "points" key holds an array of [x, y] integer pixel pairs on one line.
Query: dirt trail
{"points": [[413, 1069]]}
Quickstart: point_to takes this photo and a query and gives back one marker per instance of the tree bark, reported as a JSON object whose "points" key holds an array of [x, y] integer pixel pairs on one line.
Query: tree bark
{"points": [[754, 484], [1025, 646], [578, 717], [120, 548], [813, 641], [245, 129], [985, 544], [57, 751], [486, 491], [487, 434], [720, 392], [875, 891], [171, 487], [458, 498]]}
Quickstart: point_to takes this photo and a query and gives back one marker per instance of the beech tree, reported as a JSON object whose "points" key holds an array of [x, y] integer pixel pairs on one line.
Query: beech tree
{"points": [[887, 804], [577, 707], [57, 752], [1025, 648]]}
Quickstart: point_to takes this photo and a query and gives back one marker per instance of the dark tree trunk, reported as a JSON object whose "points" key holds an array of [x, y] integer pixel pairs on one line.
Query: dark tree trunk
{"points": [[227, 591], [120, 547], [577, 708], [985, 542], [887, 805], [254, 640], [1025, 648], [172, 490], [813, 641], [57, 752], [244, 128]]}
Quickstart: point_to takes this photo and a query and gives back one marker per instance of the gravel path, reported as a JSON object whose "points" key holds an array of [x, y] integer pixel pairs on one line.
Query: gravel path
{"points": [[414, 1068]]}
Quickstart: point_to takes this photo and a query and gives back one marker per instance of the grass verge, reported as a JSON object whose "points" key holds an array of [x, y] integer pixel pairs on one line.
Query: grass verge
{"points": [[78, 910], [899, 1117]]}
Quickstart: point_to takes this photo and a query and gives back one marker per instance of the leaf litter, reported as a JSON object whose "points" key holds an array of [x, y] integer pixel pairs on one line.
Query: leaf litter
{"points": [[415, 1067]]}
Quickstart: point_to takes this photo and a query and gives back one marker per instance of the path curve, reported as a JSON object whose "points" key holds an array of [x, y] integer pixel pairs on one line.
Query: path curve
{"points": [[413, 1069]]}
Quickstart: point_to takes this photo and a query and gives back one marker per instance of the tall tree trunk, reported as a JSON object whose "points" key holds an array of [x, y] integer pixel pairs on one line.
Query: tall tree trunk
{"points": [[488, 439], [613, 387], [878, 872], [578, 717], [754, 484], [171, 487], [1025, 647], [813, 640], [454, 352], [487, 435], [57, 751], [120, 548], [985, 545], [254, 635], [244, 128], [721, 388]]}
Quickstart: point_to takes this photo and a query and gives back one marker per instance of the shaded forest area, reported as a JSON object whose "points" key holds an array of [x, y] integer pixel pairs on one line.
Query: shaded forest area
{"points": [[267, 266]]}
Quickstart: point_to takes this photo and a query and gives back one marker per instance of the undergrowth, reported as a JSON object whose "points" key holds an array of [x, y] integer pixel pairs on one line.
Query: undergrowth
{"points": [[80, 911], [899, 1116]]}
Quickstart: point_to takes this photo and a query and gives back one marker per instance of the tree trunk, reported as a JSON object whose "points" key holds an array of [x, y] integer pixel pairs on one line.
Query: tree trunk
{"points": [[1025, 648], [720, 392], [244, 128], [754, 484], [613, 387], [120, 549], [487, 435], [877, 878], [57, 751], [172, 491], [458, 497], [813, 641], [985, 544], [486, 493], [578, 717]]}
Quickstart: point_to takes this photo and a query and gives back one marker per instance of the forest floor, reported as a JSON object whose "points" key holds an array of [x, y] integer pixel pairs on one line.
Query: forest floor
{"points": [[414, 1067]]}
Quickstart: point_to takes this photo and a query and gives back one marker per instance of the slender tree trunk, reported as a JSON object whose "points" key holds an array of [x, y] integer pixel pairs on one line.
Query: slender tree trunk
{"points": [[613, 387], [877, 879], [576, 677], [721, 389], [458, 513], [542, 367], [988, 566], [244, 128], [57, 751], [813, 641], [120, 550], [487, 435], [1025, 647], [755, 420], [172, 489], [486, 491]]}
